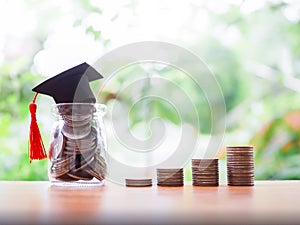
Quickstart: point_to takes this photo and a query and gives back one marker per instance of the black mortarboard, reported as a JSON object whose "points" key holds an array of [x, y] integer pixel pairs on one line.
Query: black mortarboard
{"points": [[71, 85]]}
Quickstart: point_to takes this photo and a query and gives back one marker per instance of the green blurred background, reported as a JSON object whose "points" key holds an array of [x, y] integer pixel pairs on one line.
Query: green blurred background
{"points": [[251, 46]]}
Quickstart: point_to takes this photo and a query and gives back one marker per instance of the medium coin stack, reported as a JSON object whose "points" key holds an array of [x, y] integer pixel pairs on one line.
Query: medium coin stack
{"points": [[240, 165], [170, 177], [205, 172], [138, 182], [75, 149]]}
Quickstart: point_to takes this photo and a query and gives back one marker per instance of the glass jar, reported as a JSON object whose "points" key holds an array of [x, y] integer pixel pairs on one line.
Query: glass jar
{"points": [[78, 145]]}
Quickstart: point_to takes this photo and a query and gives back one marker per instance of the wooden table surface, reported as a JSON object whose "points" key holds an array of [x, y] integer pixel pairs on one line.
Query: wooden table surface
{"points": [[268, 202]]}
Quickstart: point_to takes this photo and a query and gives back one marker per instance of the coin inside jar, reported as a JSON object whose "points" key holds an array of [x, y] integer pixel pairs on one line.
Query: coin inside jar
{"points": [[76, 133], [75, 109], [80, 158], [80, 123], [57, 146]]}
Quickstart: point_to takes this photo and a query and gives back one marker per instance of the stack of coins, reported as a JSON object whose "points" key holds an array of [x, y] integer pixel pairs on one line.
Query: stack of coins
{"points": [[170, 177], [240, 166], [75, 150], [138, 182], [205, 172]]}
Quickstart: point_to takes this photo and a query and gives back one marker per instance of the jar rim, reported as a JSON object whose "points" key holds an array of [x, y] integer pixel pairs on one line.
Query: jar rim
{"points": [[101, 108], [78, 103]]}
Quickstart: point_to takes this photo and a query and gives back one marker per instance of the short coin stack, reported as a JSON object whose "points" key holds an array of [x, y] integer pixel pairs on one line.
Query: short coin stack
{"points": [[240, 165], [170, 177], [205, 172], [75, 149], [138, 182]]}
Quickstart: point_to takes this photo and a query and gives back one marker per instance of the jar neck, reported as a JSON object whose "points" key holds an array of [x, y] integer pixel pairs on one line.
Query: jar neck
{"points": [[77, 109]]}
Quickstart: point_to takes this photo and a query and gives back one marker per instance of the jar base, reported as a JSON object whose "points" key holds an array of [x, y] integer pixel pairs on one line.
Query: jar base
{"points": [[80, 183]]}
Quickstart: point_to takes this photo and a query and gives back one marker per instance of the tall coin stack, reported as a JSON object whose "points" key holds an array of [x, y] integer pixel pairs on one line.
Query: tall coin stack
{"points": [[205, 172], [240, 165], [170, 177], [76, 147]]}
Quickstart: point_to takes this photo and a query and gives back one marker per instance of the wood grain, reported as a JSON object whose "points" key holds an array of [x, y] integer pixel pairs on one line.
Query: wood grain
{"points": [[268, 202]]}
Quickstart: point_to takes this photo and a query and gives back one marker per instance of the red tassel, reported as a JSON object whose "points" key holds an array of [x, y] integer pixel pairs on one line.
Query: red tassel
{"points": [[36, 149]]}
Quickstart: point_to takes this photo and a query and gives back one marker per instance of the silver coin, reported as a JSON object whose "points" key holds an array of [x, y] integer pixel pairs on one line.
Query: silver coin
{"points": [[80, 177], [72, 123], [65, 178], [170, 178], [57, 146], [86, 142], [240, 147], [205, 167], [239, 153], [170, 184], [98, 176], [83, 165], [138, 182], [138, 185], [206, 180], [208, 184], [76, 133], [215, 161], [91, 137], [78, 119], [233, 164], [170, 170], [81, 148], [78, 108]]}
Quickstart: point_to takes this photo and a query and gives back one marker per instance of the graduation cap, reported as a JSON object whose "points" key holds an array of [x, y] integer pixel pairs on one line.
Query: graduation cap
{"points": [[70, 86]]}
